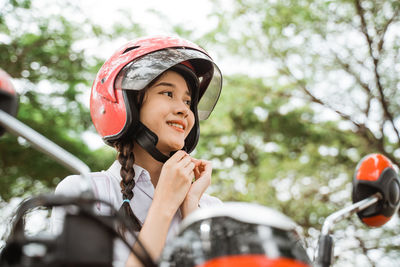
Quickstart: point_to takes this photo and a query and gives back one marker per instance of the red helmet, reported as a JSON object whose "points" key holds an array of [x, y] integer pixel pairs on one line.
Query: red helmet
{"points": [[132, 68], [8, 96]]}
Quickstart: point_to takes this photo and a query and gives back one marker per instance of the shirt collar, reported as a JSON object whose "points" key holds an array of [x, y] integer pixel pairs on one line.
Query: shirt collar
{"points": [[140, 173]]}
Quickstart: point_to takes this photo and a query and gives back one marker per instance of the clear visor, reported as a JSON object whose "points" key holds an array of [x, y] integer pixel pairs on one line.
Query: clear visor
{"points": [[139, 73]]}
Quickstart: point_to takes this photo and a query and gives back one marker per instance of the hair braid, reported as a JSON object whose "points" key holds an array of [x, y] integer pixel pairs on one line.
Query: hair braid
{"points": [[126, 158]]}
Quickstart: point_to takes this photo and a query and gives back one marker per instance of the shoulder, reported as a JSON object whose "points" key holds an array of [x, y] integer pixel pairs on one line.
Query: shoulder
{"points": [[72, 185], [209, 201], [103, 185]]}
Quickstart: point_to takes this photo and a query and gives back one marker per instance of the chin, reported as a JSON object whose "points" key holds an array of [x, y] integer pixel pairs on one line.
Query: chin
{"points": [[168, 148], [176, 147]]}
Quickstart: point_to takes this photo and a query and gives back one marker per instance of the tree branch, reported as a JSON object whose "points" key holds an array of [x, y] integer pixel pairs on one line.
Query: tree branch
{"points": [[364, 250], [383, 101], [350, 71], [363, 85], [385, 104], [362, 129], [314, 99], [364, 28], [390, 21]]}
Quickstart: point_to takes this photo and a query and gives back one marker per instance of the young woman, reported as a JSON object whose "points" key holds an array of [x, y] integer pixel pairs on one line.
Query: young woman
{"points": [[146, 102]]}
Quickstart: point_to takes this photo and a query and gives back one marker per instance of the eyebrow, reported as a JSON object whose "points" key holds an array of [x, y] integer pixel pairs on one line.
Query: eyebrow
{"points": [[165, 84], [171, 85]]}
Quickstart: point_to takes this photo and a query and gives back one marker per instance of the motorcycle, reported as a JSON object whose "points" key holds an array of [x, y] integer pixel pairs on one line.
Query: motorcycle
{"points": [[234, 234]]}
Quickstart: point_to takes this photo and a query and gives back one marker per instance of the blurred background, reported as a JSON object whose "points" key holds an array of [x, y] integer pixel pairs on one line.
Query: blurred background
{"points": [[310, 87]]}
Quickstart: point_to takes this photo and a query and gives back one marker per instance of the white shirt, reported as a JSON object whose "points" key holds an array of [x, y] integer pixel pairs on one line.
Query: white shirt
{"points": [[106, 186]]}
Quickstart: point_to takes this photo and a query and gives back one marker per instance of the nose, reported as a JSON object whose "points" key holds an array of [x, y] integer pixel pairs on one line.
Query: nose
{"points": [[181, 108]]}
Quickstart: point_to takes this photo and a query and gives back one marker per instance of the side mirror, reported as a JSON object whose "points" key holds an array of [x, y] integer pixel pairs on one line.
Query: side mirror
{"points": [[376, 197], [375, 174]]}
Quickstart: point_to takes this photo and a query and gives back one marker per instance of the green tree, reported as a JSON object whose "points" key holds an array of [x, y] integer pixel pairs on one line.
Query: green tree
{"points": [[328, 95], [42, 50], [341, 55]]}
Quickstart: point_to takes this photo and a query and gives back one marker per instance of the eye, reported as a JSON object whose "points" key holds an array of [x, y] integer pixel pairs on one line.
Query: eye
{"points": [[167, 93], [188, 102]]}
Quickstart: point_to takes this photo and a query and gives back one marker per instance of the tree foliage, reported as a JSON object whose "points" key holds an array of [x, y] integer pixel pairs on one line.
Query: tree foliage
{"points": [[342, 55], [328, 95], [43, 52]]}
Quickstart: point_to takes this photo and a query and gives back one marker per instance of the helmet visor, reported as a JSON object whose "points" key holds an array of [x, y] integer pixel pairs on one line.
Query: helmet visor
{"points": [[139, 73]]}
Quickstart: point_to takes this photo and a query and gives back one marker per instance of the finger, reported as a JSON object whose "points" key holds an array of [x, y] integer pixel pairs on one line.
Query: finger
{"points": [[189, 167], [187, 170], [196, 162], [184, 162], [200, 166], [177, 156], [191, 174], [180, 160], [196, 172], [205, 168]]}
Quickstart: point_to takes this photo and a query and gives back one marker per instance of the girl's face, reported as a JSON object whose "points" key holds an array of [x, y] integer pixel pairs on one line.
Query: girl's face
{"points": [[166, 111]]}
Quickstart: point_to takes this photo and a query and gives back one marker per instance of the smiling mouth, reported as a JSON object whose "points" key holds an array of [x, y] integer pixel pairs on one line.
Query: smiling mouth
{"points": [[177, 126]]}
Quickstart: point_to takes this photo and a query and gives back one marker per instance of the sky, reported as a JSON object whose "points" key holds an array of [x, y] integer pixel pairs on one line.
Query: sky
{"points": [[192, 14]]}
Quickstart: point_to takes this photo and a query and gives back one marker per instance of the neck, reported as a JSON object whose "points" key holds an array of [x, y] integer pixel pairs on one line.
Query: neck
{"points": [[146, 161]]}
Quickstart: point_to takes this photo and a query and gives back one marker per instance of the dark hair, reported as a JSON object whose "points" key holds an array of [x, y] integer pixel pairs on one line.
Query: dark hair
{"points": [[126, 158]]}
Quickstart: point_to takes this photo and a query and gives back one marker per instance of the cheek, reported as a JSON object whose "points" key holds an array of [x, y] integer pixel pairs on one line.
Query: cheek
{"points": [[190, 123], [148, 114], [143, 115]]}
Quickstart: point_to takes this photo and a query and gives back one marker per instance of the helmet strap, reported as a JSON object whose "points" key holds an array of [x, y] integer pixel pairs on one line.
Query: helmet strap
{"points": [[148, 141]]}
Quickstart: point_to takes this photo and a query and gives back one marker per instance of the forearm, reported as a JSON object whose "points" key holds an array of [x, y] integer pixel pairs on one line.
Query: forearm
{"points": [[189, 205], [202, 173], [172, 187], [153, 233]]}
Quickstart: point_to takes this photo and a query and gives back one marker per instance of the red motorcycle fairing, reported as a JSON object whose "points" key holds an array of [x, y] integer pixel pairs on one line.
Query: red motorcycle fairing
{"points": [[252, 260]]}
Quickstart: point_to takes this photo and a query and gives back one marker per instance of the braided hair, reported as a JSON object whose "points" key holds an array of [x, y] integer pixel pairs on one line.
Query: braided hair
{"points": [[126, 158]]}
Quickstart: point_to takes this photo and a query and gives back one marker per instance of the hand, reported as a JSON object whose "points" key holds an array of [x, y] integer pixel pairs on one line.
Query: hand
{"points": [[174, 181], [172, 187], [202, 172]]}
